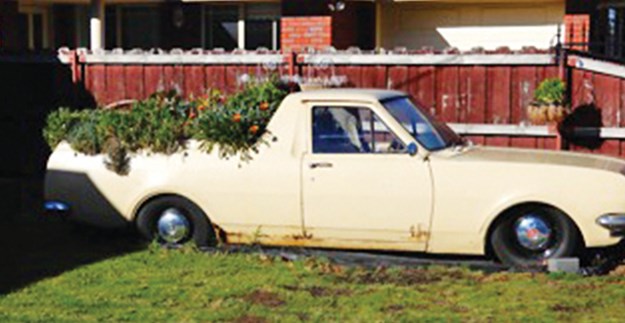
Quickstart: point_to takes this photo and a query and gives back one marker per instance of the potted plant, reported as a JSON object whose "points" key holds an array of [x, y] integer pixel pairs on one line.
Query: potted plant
{"points": [[548, 105]]}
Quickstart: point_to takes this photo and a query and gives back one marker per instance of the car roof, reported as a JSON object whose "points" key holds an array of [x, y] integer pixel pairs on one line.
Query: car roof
{"points": [[347, 94]]}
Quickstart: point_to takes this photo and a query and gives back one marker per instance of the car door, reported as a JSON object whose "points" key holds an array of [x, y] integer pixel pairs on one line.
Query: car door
{"points": [[360, 184]]}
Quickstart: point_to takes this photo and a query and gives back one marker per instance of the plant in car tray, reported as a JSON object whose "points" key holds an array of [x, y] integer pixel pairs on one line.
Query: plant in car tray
{"points": [[165, 121]]}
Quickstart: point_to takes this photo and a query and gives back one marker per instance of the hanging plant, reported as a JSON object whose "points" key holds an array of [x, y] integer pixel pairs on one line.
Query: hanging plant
{"points": [[548, 105]]}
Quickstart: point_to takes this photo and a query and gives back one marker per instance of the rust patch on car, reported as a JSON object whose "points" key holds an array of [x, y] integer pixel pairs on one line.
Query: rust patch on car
{"points": [[303, 236], [308, 240], [220, 234], [419, 234], [265, 298]]}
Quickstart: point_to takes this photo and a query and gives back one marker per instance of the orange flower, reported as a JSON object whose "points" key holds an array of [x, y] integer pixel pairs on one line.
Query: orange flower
{"points": [[201, 107], [254, 129], [264, 106], [236, 117]]}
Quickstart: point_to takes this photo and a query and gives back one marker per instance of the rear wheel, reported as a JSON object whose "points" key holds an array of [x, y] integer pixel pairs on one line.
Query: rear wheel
{"points": [[530, 236], [174, 220]]}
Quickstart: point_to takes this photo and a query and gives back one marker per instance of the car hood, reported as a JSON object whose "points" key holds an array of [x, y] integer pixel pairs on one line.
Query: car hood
{"points": [[544, 157]]}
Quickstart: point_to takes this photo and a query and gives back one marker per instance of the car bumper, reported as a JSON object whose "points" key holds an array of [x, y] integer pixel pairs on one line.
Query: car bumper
{"points": [[615, 223]]}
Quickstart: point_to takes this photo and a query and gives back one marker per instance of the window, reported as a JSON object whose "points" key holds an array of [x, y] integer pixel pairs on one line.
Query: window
{"points": [[34, 22], [430, 133], [82, 26], [261, 25], [608, 30], [140, 25], [187, 26], [221, 27], [351, 130], [133, 26]]}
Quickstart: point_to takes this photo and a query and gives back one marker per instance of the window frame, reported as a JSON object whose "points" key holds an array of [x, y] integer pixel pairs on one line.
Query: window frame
{"points": [[30, 11], [206, 33], [119, 22], [374, 116]]}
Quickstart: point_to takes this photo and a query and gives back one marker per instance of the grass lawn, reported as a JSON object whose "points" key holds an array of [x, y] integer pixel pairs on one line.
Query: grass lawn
{"points": [[186, 285]]}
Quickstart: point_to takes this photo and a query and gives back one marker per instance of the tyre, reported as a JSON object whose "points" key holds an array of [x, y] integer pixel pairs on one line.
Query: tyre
{"points": [[173, 220], [529, 236]]}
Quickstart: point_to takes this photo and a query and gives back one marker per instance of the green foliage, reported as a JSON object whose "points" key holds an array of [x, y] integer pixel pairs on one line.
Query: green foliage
{"points": [[155, 124], [550, 91], [65, 124], [163, 122], [238, 124]]}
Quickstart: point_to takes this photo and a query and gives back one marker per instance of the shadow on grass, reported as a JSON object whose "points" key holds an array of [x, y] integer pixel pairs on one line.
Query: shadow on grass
{"points": [[34, 250]]}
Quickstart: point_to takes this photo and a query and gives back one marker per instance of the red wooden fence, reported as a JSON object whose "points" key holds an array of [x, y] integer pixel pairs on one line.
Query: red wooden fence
{"points": [[600, 85], [474, 88]]}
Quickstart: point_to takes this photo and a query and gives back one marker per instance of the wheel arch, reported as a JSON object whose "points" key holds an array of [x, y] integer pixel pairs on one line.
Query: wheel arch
{"points": [[510, 210], [154, 196]]}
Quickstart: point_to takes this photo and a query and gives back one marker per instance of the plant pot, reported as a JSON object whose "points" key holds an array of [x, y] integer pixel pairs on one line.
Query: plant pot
{"points": [[556, 113], [537, 114], [540, 114]]}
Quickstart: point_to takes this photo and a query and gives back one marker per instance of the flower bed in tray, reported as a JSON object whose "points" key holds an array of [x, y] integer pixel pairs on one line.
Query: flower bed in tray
{"points": [[165, 121]]}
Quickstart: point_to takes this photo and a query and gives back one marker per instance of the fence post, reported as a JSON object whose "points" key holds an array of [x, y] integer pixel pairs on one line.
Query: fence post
{"points": [[291, 60], [73, 61]]}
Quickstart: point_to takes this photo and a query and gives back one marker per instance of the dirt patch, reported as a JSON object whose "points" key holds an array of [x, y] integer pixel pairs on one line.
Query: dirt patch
{"points": [[303, 317], [265, 298], [406, 276], [393, 309], [496, 278], [250, 319], [318, 291], [564, 308]]}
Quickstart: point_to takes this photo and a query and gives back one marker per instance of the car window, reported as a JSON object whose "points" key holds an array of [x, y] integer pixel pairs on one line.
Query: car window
{"points": [[350, 130], [429, 132]]}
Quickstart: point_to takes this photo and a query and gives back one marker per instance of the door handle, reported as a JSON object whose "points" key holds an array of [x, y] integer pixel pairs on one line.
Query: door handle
{"points": [[320, 165]]}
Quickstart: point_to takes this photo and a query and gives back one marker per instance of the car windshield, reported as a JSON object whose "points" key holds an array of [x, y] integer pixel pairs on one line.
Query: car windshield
{"points": [[430, 133]]}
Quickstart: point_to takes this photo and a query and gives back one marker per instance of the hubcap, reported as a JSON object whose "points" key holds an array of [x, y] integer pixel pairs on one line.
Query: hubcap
{"points": [[532, 232], [173, 226]]}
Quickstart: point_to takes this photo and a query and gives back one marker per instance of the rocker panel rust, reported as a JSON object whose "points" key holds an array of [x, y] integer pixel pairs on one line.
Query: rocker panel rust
{"points": [[310, 241]]}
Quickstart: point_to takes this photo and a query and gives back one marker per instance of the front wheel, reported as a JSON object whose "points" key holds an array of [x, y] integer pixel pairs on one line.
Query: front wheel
{"points": [[530, 236], [174, 220]]}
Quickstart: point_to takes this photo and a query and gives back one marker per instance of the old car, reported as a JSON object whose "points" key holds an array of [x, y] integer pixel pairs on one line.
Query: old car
{"points": [[357, 169]]}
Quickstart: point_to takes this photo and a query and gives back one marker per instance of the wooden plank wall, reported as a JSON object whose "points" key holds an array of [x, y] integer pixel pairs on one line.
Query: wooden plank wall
{"points": [[483, 94], [605, 95], [113, 82]]}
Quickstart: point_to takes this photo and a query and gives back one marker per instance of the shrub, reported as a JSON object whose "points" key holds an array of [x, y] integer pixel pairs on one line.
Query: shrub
{"points": [[237, 125], [163, 122], [63, 124]]}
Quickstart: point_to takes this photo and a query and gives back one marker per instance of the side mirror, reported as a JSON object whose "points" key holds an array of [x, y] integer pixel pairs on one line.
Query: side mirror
{"points": [[412, 149]]}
